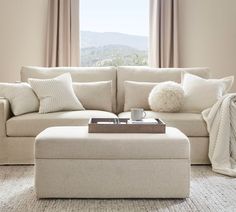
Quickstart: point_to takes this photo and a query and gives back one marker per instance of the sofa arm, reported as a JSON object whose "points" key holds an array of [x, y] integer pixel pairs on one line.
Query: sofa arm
{"points": [[5, 114]]}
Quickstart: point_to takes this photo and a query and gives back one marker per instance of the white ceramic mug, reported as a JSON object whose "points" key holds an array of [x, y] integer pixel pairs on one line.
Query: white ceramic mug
{"points": [[137, 114]]}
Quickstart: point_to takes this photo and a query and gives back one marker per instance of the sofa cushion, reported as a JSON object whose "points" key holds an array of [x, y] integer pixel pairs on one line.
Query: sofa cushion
{"points": [[132, 100], [56, 94], [21, 97], [33, 123], [147, 74], [191, 124], [78, 74], [94, 95], [210, 90], [77, 143]]}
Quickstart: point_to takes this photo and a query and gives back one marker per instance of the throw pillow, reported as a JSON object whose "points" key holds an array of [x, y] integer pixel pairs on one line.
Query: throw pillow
{"points": [[166, 97], [203, 93], [94, 95], [136, 94], [56, 94], [21, 97]]}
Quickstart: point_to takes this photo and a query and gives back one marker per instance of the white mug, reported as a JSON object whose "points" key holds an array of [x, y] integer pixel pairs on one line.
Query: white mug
{"points": [[137, 114]]}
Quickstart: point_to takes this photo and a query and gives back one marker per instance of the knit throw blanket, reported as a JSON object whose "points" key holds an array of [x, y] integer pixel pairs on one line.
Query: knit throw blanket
{"points": [[221, 125]]}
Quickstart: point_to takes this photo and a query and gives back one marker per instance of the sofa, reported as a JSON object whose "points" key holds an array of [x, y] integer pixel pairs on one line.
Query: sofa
{"points": [[17, 133]]}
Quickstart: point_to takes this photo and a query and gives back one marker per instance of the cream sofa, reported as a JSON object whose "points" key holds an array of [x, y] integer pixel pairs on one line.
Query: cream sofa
{"points": [[17, 133]]}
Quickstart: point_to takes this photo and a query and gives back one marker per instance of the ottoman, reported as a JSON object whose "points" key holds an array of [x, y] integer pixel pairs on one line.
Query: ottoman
{"points": [[72, 163]]}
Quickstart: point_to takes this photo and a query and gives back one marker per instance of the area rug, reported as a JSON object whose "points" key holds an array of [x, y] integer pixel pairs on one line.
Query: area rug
{"points": [[209, 192]]}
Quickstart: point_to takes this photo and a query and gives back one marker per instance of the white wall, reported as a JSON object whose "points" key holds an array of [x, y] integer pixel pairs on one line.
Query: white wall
{"points": [[208, 35], [22, 36]]}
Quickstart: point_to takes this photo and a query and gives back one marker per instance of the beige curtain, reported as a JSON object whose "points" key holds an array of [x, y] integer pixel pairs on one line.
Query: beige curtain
{"points": [[62, 45], [163, 40]]}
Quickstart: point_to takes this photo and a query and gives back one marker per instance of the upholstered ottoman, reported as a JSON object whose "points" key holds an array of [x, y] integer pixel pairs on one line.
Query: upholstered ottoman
{"points": [[72, 163]]}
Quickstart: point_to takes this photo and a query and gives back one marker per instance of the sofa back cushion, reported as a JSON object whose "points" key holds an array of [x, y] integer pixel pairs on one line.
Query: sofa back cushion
{"points": [[136, 94], [94, 95], [78, 74], [147, 74]]}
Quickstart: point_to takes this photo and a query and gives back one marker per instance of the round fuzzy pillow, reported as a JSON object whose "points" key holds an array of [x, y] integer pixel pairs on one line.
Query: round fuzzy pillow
{"points": [[166, 97]]}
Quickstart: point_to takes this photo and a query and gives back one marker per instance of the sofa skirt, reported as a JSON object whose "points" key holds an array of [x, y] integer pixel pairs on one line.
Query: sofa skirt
{"points": [[20, 150]]}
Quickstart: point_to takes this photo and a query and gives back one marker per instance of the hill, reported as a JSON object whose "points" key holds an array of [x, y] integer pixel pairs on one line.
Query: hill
{"points": [[98, 39], [112, 55]]}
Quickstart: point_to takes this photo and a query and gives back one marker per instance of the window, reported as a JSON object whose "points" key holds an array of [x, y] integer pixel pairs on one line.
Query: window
{"points": [[114, 32]]}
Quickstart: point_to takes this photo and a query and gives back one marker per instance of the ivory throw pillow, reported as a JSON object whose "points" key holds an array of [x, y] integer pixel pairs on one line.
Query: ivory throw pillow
{"points": [[94, 95], [166, 97], [56, 94], [203, 93], [136, 94], [21, 97]]}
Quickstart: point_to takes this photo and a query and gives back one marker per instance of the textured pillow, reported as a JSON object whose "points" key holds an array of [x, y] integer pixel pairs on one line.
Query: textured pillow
{"points": [[166, 97], [94, 95], [203, 93], [21, 97], [136, 94], [56, 94]]}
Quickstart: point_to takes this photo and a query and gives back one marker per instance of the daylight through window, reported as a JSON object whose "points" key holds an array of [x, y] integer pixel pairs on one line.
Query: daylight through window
{"points": [[114, 32]]}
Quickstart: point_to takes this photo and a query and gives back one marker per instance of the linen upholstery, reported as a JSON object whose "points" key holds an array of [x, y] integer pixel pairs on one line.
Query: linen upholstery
{"points": [[199, 150], [94, 95], [191, 124], [147, 74], [79, 144], [21, 97], [33, 123], [4, 115], [70, 162], [78, 74], [75, 178], [20, 150], [136, 94]]}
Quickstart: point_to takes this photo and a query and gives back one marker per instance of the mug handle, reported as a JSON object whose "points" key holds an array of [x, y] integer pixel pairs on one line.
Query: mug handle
{"points": [[144, 114]]}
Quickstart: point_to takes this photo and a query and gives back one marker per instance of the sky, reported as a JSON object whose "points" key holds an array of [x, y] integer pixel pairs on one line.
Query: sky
{"points": [[124, 16]]}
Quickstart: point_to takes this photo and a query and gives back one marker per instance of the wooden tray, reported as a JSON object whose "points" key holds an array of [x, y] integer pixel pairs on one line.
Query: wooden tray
{"points": [[102, 125]]}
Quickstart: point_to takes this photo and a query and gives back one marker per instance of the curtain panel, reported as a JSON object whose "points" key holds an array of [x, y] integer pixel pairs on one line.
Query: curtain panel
{"points": [[163, 36], [63, 43]]}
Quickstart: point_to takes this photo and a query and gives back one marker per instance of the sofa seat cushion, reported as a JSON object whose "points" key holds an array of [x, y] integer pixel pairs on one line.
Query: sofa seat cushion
{"points": [[191, 124], [77, 143], [30, 125]]}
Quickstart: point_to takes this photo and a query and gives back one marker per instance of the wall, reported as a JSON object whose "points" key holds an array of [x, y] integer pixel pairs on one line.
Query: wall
{"points": [[22, 36], [208, 35]]}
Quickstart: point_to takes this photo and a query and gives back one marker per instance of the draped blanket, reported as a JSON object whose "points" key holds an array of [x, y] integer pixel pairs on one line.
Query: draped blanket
{"points": [[221, 125]]}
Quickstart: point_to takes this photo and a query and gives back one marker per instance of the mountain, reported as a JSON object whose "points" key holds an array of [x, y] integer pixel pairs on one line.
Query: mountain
{"points": [[98, 39], [112, 55]]}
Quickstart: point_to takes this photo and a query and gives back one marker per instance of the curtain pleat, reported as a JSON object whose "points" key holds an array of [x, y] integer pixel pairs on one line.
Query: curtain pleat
{"points": [[62, 44], [163, 36]]}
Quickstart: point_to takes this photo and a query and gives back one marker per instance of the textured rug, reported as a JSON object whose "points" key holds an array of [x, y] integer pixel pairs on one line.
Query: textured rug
{"points": [[209, 192]]}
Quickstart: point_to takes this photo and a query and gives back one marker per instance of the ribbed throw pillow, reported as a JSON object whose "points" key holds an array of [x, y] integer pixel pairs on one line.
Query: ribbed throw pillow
{"points": [[56, 94]]}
